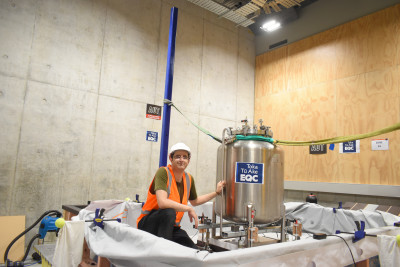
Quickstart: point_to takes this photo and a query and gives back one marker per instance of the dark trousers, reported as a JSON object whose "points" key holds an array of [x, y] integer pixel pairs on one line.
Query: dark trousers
{"points": [[161, 223]]}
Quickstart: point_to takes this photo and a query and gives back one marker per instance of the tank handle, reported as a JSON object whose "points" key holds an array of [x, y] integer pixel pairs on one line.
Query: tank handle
{"points": [[223, 178]]}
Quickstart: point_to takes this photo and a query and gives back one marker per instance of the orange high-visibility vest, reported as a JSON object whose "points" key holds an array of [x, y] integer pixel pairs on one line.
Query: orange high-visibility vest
{"points": [[173, 194]]}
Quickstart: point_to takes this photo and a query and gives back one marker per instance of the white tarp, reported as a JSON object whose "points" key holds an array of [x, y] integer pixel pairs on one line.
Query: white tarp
{"points": [[319, 219], [124, 245], [69, 245], [389, 251]]}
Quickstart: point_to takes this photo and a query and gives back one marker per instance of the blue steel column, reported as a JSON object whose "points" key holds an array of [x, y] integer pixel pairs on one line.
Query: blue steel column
{"points": [[168, 87]]}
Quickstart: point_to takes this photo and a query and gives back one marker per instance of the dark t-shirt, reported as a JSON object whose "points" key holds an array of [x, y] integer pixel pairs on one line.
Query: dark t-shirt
{"points": [[160, 183]]}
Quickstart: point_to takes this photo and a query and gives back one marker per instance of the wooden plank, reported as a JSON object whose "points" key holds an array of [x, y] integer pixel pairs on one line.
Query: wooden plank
{"points": [[384, 208], [359, 206], [267, 9], [394, 210], [259, 2], [349, 205], [364, 263], [10, 228]]}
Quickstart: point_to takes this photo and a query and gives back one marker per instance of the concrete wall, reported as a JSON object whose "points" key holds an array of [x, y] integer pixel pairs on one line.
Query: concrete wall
{"points": [[75, 78]]}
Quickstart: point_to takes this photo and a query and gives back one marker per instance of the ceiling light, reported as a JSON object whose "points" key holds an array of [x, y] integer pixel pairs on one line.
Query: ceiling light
{"points": [[271, 26]]}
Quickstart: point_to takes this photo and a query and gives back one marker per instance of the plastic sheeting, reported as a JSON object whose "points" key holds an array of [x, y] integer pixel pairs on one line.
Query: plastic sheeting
{"points": [[319, 219], [124, 245], [389, 251], [127, 246], [69, 246]]}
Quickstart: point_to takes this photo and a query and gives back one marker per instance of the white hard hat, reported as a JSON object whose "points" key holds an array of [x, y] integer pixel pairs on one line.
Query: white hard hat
{"points": [[179, 146]]}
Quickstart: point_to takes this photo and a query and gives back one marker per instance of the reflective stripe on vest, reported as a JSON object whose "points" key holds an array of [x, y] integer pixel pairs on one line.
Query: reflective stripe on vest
{"points": [[169, 182], [187, 190]]}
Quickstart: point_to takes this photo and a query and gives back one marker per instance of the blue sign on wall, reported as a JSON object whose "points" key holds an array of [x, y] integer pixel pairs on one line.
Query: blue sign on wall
{"points": [[249, 173], [349, 147], [152, 136]]}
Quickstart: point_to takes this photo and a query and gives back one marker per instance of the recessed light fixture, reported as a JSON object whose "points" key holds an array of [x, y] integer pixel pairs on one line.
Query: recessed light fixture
{"points": [[270, 26]]}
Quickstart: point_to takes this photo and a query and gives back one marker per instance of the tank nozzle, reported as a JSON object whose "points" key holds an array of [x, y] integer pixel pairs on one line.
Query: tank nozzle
{"points": [[262, 127]]}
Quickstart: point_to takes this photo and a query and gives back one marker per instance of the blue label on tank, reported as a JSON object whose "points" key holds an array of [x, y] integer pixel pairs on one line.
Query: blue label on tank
{"points": [[249, 173]]}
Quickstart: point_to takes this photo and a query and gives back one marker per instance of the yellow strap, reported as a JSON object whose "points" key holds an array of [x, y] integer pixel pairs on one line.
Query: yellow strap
{"points": [[333, 140], [339, 139]]}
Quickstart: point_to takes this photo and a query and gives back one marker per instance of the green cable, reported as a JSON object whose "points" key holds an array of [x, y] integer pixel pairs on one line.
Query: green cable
{"points": [[170, 103], [333, 140]]}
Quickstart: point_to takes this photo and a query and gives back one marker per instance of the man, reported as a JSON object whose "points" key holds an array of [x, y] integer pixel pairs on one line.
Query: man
{"points": [[168, 196]]}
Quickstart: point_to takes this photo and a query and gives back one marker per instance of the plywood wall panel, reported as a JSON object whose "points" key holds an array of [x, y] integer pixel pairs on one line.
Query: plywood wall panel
{"points": [[277, 115], [382, 88], [382, 98], [341, 82], [350, 170], [351, 48], [299, 164], [397, 15], [323, 167], [367, 102], [382, 35], [258, 108], [319, 122], [288, 168], [352, 116], [299, 157], [318, 111], [394, 148], [312, 60], [272, 66]]}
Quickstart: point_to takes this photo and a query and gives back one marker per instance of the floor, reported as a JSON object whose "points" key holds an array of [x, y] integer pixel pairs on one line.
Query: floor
{"points": [[29, 260]]}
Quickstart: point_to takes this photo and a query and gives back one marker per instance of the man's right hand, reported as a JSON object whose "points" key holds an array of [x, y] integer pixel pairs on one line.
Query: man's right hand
{"points": [[192, 215]]}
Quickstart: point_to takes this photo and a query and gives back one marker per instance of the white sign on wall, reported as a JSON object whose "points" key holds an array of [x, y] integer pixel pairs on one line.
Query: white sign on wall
{"points": [[380, 144]]}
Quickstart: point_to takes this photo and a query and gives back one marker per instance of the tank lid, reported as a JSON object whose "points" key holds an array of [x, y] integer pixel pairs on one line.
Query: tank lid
{"points": [[247, 132]]}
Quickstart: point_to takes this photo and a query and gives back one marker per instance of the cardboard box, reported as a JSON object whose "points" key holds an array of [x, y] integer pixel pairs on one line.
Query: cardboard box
{"points": [[10, 228]]}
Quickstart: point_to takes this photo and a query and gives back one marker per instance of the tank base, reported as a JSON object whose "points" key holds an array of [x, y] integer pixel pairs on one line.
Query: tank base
{"points": [[238, 236]]}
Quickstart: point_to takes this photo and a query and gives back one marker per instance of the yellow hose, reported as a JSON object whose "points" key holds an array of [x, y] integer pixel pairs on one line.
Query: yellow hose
{"points": [[339, 139], [334, 140]]}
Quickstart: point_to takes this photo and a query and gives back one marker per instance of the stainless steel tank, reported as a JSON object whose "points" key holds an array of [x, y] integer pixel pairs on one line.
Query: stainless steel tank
{"points": [[253, 173]]}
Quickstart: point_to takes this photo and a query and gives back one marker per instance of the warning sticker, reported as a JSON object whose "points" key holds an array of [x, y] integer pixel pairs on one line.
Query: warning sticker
{"points": [[153, 112]]}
